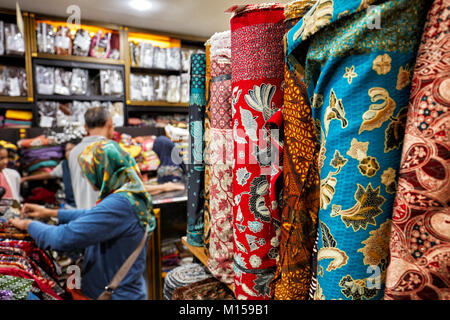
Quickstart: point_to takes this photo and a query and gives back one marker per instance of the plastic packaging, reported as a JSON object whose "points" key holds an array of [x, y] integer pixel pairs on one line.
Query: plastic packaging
{"points": [[111, 82], [3, 90], [45, 38], [116, 112], [64, 114], [63, 42], [135, 87], [2, 38], [45, 79], [14, 43], [47, 113], [147, 54], [186, 59], [62, 81], [184, 88], [159, 58], [15, 77], [115, 47], [173, 58], [81, 43], [160, 83], [100, 45], [173, 89], [79, 108], [79, 81]]}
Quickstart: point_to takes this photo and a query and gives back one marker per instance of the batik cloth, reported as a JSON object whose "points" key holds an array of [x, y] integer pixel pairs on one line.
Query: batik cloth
{"points": [[110, 169], [357, 61], [257, 74], [182, 276], [20, 287], [207, 289], [196, 167], [420, 234], [220, 260], [207, 213], [301, 182]]}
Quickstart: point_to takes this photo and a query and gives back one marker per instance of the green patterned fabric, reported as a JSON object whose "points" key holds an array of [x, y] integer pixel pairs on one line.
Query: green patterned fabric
{"points": [[110, 169], [20, 287]]}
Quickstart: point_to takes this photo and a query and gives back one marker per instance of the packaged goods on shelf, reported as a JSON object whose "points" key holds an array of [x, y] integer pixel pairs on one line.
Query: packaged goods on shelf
{"points": [[186, 58], [64, 114], [173, 58], [159, 58], [146, 55], [13, 81], [14, 43], [47, 113], [116, 112], [62, 81], [135, 87], [63, 42], [79, 81], [45, 80], [45, 38], [81, 43], [173, 89], [160, 85], [111, 82], [100, 45], [184, 88], [2, 38]]}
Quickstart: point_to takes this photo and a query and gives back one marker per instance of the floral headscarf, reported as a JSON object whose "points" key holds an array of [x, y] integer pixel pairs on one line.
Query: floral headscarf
{"points": [[112, 170]]}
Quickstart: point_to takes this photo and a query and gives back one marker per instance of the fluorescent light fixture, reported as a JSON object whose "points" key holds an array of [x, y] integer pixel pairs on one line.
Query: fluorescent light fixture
{"points": [[140, 5]]}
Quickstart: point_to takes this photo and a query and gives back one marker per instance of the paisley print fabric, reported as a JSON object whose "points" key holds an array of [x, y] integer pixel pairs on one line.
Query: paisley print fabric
{"points": [[196, 167], [351, 66], [220, 261], [257, 73], [420, 235]]}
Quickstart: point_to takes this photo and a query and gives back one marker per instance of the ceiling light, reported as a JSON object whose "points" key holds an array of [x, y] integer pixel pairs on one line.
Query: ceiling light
{"points": [[140, 5]]}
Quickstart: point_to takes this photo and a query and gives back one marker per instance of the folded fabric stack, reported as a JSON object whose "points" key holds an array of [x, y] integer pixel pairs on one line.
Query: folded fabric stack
{"points": [[150, 160], [183, 276], [26, 272], [18, 119], [207, 289], [40, 155]]}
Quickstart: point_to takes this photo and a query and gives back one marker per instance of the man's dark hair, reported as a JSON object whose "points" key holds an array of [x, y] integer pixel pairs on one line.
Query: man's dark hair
{"points": [[96, 117]]}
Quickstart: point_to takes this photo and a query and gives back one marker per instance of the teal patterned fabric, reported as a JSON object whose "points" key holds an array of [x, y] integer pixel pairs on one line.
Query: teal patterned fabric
{"points": [[358, 66], [196, 166], [20, 287]]}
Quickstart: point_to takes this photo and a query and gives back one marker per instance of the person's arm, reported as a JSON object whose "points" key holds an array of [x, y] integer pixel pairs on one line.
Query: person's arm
{"points": [[30, 210], [39, 176], [103, 222]]}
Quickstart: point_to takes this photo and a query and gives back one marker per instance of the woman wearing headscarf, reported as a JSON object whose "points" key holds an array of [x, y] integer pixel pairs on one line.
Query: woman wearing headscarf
{"points": [[171, 168], [110, 231]]}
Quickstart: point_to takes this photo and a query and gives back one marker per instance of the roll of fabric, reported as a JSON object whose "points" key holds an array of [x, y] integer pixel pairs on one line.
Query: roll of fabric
{"points": [[257, 74], [220, 260], [207, 213], [196, 171], [420, 234], [300, 204], [357, 61]]}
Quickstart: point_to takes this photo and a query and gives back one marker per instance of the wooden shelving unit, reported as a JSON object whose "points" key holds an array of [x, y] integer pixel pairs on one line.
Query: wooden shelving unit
{"points": [[32, 57]]}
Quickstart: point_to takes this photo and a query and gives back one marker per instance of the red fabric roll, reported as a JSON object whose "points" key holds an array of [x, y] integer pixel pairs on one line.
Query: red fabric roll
{"points": [[257, 73]]}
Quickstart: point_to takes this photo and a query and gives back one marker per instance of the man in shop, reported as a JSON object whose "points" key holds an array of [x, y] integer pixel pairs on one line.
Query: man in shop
{"points": [[9, 178], [99, 125]]}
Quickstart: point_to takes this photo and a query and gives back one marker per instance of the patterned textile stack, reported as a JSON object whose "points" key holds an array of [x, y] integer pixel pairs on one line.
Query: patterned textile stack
{"points": [[182, 276]]}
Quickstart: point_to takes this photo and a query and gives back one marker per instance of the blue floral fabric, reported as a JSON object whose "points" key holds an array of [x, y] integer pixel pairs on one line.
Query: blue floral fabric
{"points": [[357, 60], [196, 166]]}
